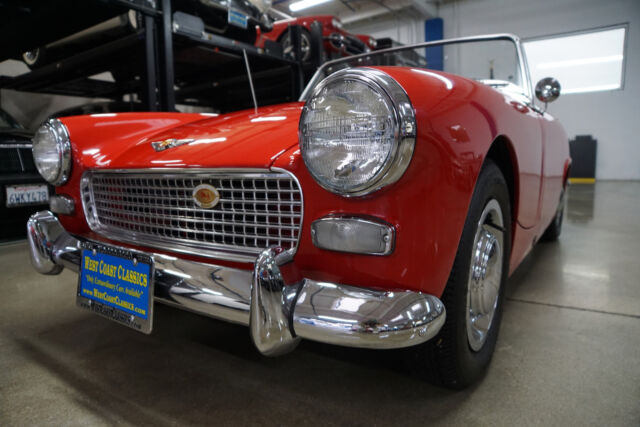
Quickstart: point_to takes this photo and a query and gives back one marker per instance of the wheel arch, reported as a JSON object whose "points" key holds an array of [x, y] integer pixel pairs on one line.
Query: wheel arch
{"points": [[502, 153], [567, 172]]}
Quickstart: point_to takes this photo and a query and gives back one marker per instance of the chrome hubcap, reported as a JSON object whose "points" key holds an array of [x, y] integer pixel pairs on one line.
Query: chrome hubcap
{"points": [[483, 287]]}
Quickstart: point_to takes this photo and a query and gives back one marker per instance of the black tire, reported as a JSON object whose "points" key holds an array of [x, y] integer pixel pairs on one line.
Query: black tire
{"points": [[552, 233], [287, 44], [448, 359]]}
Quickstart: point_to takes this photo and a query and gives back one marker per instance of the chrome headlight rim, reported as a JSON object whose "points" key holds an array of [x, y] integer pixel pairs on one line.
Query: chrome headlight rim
{"points": [[63, 148], [403, 118]]}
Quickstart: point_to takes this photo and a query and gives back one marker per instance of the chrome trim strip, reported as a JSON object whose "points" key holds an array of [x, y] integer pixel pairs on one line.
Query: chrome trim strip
{"points": [[15, 146], [189, 246], [278, 312]]}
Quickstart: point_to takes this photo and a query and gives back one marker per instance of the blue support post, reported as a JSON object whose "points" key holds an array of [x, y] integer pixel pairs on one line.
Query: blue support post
{"points": [[433, 30]]}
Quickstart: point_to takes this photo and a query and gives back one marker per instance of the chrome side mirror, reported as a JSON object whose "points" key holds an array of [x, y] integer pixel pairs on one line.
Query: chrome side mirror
{"points": [[548, 90]]}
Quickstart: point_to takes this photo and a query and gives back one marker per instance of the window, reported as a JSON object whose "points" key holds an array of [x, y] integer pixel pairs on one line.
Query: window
{"points": [[584, 62]]}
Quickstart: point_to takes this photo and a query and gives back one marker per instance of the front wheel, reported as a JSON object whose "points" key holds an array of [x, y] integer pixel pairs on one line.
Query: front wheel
{"points": [[474, 294]]}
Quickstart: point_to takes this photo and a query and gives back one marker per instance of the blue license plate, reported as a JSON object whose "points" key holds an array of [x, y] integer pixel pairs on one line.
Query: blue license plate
{"points": [[117, 284], [238, 19]]}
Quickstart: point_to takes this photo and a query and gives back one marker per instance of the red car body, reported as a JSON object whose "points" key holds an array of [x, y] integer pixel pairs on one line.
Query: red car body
{"points": [[440, 178], [331, 29], [460, 131]]}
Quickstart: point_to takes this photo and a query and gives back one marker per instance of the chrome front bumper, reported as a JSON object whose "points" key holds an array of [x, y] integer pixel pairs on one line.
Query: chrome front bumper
{"points": [[278, 311]]}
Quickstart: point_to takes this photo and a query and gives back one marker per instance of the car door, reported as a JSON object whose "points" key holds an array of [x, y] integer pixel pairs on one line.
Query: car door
{"points": [[527, 135]]}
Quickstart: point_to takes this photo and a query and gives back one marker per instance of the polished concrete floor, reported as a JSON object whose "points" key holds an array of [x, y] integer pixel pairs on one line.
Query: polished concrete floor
{"points": [[568, 352]]}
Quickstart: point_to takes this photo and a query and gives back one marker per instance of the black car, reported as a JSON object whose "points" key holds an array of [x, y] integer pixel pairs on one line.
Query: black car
{"points": [[23, 191]]}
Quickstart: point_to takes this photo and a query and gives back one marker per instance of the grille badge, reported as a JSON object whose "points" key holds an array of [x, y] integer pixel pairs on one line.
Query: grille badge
{"points": [[206, 196], [170, 143]]}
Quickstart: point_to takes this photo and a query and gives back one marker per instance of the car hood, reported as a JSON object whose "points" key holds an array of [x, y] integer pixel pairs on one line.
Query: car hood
{"points": [[243, 139]]}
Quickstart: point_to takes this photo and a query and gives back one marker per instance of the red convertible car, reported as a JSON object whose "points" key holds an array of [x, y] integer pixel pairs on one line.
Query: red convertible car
{"points": [[383, 210], [337, 42]]}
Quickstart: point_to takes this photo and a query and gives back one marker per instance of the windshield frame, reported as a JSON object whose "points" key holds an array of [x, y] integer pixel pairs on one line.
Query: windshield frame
{"points": [[522, 61]]}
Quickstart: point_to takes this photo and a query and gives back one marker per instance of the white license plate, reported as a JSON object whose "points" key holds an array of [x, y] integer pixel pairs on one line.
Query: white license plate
{"points": [[21, 195]]}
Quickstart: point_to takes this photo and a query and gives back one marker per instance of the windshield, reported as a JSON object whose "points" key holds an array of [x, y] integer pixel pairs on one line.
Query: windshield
{"points": [[492, 60]]}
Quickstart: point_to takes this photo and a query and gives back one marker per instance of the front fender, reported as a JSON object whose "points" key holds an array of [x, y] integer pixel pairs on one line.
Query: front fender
{"points": [[457, 120]]}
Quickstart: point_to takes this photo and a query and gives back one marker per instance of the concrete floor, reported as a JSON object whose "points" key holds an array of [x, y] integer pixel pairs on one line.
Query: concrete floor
{"points": [[568, 352]]}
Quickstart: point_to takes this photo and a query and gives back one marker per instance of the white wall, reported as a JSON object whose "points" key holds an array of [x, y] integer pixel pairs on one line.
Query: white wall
{"points": [[403, 26], [613, 118]]}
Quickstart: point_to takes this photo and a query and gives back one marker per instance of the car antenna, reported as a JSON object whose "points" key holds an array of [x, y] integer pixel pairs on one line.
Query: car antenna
{"points": [[253, 92]]}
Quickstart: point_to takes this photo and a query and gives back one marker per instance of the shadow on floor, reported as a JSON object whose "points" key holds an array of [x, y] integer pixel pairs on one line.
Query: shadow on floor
{"points": [[193, 367]]}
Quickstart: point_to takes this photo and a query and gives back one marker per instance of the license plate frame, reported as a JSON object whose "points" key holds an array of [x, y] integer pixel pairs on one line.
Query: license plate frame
{"points": [[16, 189], [101, 297]]}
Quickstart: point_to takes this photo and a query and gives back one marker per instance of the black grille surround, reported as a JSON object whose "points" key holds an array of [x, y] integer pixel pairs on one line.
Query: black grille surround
{"points": [[16, 158], [155, 208]]}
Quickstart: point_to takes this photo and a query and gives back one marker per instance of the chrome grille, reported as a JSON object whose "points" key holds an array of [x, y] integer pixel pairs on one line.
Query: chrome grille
{"points": [[257, 209]]}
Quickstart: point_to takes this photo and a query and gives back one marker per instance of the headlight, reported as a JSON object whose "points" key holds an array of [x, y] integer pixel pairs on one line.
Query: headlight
{"points": [[373, 42], [357, 132], [52, 152], [336, 23]]}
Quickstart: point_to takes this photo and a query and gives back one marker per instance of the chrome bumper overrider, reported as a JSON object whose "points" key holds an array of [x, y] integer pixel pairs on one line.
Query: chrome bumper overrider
{"points": [[278, 312]]}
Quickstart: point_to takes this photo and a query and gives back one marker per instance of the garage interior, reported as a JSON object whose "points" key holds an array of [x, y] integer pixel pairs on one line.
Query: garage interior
{"points": [[567, 353]]}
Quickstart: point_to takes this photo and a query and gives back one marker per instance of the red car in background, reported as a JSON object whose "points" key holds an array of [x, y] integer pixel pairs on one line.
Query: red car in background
{"points": [[337, 42]]}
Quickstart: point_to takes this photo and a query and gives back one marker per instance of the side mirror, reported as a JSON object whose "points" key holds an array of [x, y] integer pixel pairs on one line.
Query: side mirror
{"points": [[548, 90]]}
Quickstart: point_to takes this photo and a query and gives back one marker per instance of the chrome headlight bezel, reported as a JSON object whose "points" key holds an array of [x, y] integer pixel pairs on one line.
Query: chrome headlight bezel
{"points": [[404, 121], [60, 136]]}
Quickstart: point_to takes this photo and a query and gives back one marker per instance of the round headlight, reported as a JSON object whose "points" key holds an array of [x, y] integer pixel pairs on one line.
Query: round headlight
{"points": [[357, 132], [52, 152]]}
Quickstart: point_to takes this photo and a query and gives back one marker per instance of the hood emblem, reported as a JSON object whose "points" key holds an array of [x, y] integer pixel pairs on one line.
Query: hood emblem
{"points": [[170, 143], [206, 196]]}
